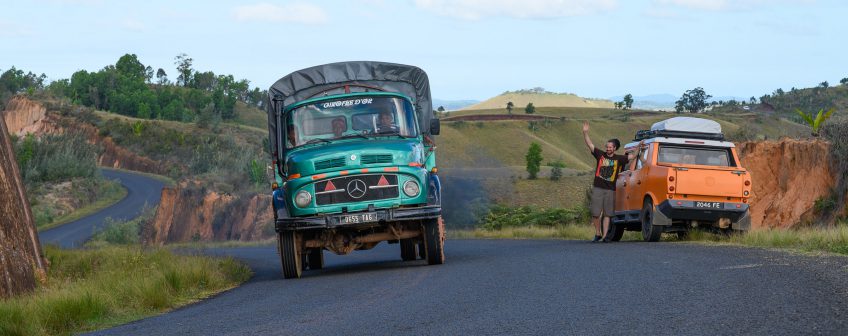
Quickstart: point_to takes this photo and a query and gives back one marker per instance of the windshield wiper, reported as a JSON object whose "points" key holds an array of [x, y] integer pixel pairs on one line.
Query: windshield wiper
{"points": [[317, 140], [354, 135]]}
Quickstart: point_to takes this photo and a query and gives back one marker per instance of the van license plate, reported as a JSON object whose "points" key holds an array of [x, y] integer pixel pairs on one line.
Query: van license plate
{"points": [[358, 218], [708, 205]]}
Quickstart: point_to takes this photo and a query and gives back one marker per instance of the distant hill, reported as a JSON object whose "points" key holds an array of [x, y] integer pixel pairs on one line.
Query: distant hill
{"points": [[539, 98], [453, 105]]}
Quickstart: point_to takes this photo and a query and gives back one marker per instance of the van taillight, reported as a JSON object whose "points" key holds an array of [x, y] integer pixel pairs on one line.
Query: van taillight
{"points": [[744, 200], [671, 188], [671, 178], [747, 183]]}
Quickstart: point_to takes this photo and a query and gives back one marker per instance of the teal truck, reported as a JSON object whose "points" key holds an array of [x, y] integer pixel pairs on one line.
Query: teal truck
{"points": [[353, 147]]}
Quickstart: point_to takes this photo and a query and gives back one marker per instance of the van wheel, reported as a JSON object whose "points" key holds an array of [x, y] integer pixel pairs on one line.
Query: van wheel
{"points": [[316, 259], [290, 257], [407, 249], [434, 241], [616, 231], [650, 232]]}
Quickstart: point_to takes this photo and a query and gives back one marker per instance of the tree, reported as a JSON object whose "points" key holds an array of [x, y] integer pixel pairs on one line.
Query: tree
{"points": [[530, 109], [441, 109], [844, 81], [753, 100], [509, 107], [824, 85], [815, 123], [21, 260], [534, 160], [148, 74], [161, 76], [693, 101], [183, 63], [628, 101], [556, 170]]}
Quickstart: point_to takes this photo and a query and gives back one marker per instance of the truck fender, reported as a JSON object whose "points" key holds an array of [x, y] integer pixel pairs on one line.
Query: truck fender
{"points": [[434, 192], [743, 223], [278, 201]]}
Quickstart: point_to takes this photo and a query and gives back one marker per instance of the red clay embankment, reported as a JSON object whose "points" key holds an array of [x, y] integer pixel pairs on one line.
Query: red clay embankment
{"points": [[788, 177]]}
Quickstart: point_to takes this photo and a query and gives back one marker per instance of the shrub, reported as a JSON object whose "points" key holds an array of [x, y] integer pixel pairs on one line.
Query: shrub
{"points": [[56, 157], [500, 217], [534, 159]]}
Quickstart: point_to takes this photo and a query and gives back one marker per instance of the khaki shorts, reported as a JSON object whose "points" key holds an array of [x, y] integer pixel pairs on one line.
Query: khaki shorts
{"points": [[602, 201]]}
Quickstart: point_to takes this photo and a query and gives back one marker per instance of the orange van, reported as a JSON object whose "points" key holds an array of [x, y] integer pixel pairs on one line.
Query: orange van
{"points": [[686, 176]]}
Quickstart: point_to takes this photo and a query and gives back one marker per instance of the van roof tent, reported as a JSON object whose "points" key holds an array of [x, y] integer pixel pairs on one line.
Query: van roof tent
{"points": [[683, 127], [330, 79]]}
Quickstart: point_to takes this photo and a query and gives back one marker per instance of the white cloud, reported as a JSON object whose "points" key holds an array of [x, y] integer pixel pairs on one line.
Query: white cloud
{"points": [[723, 5], [293, 12], [526, 9]]}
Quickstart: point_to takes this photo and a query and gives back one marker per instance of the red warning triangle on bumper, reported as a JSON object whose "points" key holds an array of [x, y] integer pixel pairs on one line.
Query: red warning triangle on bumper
{"points": [[383, 181], [330, 186]]}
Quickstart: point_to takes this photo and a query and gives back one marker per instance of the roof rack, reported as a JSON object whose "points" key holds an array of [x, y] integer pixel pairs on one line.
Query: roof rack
{"points": [[650, 134]]}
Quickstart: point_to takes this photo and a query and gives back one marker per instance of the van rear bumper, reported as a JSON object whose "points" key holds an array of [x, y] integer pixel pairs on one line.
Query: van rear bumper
{"points": [[737, 213]]}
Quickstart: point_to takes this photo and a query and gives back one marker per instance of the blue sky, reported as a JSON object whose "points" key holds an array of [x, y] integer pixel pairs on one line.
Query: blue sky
{"points": [[471, 49]]}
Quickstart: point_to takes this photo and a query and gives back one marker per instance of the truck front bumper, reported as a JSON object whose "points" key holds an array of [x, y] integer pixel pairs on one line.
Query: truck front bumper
{"points": [[335, 220]]}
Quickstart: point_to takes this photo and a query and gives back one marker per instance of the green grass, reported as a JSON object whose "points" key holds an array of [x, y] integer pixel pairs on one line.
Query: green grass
{"points": [[813, 240], [110, 193], [98, 288]]}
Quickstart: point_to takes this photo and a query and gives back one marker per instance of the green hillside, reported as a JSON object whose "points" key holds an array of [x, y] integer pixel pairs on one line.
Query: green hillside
{"points": [[489, 155]]}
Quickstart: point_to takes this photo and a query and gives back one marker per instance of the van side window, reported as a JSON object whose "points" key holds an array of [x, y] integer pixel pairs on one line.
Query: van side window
{"points": [[644, 155]]}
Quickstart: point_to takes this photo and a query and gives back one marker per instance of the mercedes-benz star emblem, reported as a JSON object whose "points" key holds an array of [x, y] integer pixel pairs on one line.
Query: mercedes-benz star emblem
{"points": [[356, 188]]}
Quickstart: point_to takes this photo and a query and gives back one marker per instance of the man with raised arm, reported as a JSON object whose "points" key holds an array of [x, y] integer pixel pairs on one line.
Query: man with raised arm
{"points": [[607, 167]]}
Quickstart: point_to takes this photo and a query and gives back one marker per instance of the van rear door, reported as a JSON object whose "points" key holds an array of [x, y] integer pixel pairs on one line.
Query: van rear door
{"points": [[699, 170]]}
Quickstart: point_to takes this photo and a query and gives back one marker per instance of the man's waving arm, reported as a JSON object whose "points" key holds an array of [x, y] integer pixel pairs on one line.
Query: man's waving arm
{"points": [[586, 137]]}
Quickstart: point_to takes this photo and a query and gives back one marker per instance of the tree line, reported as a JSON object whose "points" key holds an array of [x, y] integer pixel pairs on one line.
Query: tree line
{"points": [[128, 87]]}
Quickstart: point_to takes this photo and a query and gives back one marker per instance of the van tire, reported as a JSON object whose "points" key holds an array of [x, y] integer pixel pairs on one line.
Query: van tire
{"points": [[616, 232], [434, 240], [290, 257], [650, 232], [407, 249], [316, 259]]}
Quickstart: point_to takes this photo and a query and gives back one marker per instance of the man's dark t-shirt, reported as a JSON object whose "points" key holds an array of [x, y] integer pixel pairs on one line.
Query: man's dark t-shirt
{"points": [[607, 169]]}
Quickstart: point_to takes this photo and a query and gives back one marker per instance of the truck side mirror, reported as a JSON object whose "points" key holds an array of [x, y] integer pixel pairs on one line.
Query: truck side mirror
{"points": [[435, 127]]}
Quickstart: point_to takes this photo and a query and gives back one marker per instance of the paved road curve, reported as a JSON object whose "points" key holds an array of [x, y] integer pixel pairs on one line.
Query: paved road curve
{"points": [[141, 190], [528, 287]]}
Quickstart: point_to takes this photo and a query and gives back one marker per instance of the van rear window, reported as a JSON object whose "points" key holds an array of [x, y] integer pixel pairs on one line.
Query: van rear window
{"points": [[719, 157]]}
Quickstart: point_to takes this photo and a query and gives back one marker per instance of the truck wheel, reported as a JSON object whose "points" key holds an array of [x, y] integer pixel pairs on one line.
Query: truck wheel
{"points": [[316, 259], [617, 231], [434, 241], [290, 257], [650, 232], [407, 249], [422, 251]]}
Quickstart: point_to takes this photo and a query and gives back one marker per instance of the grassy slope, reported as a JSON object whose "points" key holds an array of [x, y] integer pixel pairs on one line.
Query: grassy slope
{"points": [[110, 194], [98, 288], [520, 100], [483, 146]]}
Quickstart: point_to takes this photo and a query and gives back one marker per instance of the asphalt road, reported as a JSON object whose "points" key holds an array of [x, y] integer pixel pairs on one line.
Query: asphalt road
{"points": [[507, 287], [141, 190], [527, 287]]}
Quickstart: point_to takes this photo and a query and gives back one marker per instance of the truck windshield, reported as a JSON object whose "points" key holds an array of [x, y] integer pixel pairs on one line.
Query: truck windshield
{"points": [[348, 117], [719, 157]]}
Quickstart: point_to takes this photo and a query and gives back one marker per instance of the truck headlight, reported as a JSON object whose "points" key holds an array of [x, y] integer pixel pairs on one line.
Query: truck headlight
{"points": [[303, 198], [411, 188]]}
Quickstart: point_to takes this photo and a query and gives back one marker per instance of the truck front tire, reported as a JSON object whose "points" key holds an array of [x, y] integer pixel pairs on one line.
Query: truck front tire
{"points": [[434, 240], [290, 257], [407, 249]]}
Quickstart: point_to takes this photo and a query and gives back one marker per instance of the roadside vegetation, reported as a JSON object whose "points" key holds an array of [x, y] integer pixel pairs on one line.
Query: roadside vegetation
{"points": [[61, 178], [97, 288]]}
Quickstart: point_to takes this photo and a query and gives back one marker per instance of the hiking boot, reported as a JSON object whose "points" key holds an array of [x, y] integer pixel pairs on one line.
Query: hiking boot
{"points": [[597, 239]]}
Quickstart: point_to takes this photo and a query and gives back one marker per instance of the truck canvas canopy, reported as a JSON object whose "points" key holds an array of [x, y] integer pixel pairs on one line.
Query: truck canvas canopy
{"points": [[349, 77]]}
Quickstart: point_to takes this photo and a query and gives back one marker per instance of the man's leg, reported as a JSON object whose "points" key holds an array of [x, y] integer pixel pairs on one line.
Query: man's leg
{"points": [[606, 225], [596, 221]]}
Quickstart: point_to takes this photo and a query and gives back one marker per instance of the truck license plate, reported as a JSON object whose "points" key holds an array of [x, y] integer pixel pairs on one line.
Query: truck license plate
{"points": [[358, 218], [708, 205]]}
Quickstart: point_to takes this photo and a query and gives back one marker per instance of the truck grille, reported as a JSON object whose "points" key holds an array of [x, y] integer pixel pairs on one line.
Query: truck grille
{"points": [[376, 158], [330, 163], [357, 188]]}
